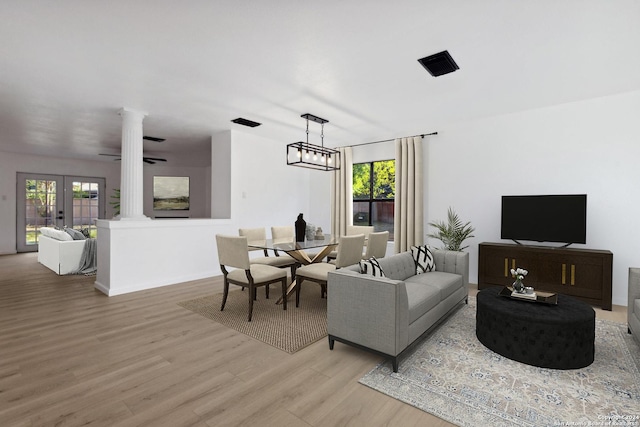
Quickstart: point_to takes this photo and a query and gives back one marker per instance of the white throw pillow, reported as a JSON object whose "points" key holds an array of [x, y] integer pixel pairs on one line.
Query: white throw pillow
{"points": [[46, 231], [56, 234], [63, 235], [423, 258], [371, 267]]}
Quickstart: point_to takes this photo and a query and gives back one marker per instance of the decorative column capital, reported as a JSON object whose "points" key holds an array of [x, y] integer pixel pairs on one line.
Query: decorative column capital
{"points": [[127, 112]]}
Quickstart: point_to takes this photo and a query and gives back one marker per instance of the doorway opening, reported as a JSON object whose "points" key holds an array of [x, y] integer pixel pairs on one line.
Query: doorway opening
{"points": [[56, 201]]}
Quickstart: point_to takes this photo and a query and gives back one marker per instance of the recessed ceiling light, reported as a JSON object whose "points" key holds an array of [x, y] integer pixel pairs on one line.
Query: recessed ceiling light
{"points": [[246, 122], [439, 64]]}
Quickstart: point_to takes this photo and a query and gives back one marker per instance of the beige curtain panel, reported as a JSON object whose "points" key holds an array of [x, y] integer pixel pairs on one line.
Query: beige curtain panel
{"points": [[342, 194], [408, 219]]}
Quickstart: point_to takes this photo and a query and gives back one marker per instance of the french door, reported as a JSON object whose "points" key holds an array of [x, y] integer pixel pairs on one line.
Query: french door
{"points": [[56, 201]]}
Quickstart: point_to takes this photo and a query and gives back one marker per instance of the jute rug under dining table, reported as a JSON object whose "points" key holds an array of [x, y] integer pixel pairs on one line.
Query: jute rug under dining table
{"points": [[288, 330]]}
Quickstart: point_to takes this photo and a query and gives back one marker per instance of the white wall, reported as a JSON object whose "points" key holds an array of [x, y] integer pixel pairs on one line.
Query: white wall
{"points": [[265, 191], [146, 254], [374, 152], [587, 147], [318, 211], [199, 190]]}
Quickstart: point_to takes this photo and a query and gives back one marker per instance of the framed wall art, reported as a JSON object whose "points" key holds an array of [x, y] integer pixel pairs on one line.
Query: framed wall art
{"points": [[170, 193]]}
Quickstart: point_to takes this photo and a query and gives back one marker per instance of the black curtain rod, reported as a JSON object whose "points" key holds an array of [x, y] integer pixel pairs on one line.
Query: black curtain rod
{"points": [[387, 140]]}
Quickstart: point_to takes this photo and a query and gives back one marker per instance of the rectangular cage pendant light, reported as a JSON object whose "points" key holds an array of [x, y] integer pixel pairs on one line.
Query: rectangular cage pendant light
{"points": [[311, 156]]}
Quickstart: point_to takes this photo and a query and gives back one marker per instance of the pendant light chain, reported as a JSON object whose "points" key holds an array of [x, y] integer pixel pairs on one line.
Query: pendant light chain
{"points": [[321, 134]]}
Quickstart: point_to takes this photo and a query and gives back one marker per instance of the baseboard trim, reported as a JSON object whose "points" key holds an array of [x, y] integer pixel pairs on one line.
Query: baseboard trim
{"points": [[110, 291]]}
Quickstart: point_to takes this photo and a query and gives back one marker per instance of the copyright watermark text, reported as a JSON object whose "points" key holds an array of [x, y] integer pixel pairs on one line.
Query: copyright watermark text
{"points": [[604, 420]]}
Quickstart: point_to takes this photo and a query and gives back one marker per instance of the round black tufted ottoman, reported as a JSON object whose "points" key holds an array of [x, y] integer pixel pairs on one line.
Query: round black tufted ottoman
{"points": [[549, 336]]}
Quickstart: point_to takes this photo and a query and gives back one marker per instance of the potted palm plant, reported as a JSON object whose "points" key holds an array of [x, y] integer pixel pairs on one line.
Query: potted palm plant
{"points": [[453, 232], [115, 203]]}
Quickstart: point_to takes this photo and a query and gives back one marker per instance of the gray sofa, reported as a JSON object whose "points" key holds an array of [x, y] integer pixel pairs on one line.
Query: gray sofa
{"points": [[386, 315], [633, 303]]}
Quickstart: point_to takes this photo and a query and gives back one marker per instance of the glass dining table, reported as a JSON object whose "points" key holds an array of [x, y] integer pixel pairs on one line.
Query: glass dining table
{"points": [[298, 251]]}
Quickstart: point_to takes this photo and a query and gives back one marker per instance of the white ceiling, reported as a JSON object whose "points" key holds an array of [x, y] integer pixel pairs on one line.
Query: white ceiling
{"points": [[66, 67]]}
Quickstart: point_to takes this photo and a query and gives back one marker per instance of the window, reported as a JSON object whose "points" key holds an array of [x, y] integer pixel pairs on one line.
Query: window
{"points": [[374, 190], [86, 206], [40, 207]]}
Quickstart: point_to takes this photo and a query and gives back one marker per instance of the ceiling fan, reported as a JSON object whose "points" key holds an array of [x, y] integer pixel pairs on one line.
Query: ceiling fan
{"points": [[149, 160]]}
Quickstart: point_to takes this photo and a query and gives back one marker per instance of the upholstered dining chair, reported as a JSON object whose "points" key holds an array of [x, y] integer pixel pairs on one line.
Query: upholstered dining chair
{"points": [[349, 253], [278, 260], [233, 252], [376, 245], [285, 233], [352, 230]]}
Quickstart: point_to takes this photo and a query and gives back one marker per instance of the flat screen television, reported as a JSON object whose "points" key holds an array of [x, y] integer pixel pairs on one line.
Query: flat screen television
{"points": [[553, 218]]}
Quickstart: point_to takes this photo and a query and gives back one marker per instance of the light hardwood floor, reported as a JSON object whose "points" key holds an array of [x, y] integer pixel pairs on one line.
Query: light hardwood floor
{"points": [[71, 356]]}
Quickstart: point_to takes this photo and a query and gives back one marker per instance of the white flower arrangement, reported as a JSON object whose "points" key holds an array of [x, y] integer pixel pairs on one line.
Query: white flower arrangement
{"points": [[519, 273]]}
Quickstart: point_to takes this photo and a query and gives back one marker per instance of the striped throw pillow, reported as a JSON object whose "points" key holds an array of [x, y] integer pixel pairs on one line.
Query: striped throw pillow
{"points": [[371, 267], [423, 258]]}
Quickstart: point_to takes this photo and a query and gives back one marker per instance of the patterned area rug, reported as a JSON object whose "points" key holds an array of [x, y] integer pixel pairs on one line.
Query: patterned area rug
{"points": [[453, 376], [289, 330]]}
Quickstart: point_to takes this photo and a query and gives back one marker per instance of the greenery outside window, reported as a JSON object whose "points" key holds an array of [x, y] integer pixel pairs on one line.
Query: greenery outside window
{"points": [[374, 190]]}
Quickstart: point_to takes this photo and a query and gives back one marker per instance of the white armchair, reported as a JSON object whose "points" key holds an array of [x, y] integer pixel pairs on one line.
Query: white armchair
{"points": [[58, 251], [633, 303]]}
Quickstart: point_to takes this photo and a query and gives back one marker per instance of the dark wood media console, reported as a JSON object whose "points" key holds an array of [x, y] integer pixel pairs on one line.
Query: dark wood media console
{"points": [[581, 273]]}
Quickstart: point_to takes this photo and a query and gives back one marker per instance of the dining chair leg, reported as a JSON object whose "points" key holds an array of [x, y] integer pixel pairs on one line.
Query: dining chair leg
{"points": [[224, 296], [298, 285], [251, 297], [284, 294]]}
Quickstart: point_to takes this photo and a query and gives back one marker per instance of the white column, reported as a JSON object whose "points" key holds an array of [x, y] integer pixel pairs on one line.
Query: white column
{"points": [[131, 176]]}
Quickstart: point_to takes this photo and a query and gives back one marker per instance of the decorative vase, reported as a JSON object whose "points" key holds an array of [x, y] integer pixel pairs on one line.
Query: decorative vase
{"points": [[518, 286], [310, 232], [301, 228]]}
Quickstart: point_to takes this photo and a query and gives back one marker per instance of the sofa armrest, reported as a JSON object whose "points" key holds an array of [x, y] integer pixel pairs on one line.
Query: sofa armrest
{"points": [[368, 311], [61, 256], [633, 291], [453, 262]]}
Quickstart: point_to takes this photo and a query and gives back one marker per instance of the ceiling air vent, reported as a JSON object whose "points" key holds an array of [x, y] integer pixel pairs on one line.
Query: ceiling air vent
{"points": [[439, 64], [153, 138], [245, 122]]}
